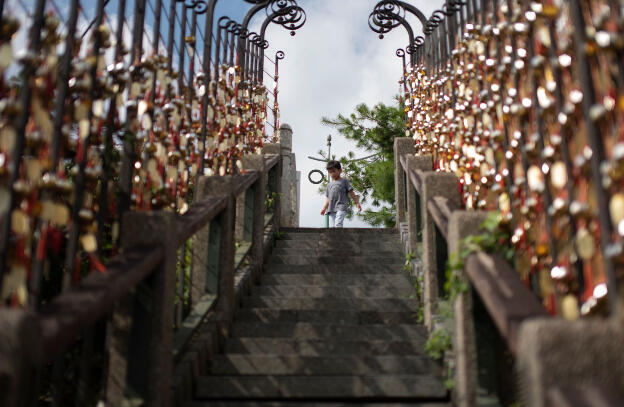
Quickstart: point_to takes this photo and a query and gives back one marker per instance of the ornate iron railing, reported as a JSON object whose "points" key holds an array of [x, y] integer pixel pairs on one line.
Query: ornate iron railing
{"points": [[110, 111], [522, 101]]}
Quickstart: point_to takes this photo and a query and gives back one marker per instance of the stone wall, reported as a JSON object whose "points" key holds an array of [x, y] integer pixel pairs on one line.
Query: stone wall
{"points": [[291, 179]]}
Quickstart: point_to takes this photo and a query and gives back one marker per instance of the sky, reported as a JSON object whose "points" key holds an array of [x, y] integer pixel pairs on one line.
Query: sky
{"points": [[333, 63]]}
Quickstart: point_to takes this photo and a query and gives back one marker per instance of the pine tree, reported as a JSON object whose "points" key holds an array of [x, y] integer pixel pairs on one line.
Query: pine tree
{"points": [[373, 130]]}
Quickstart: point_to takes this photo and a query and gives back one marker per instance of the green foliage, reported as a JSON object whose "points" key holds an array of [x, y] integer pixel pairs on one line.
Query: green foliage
{"points": [[384, 216], [493, 238], [372, 129], [408, 261], [278, 235], [449, 379], [270, 199], [418, 288], [439, 342]]}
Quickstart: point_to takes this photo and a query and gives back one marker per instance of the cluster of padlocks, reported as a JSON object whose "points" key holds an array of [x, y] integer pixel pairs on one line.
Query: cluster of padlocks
{"points": [[87, 136], [525, 105]]}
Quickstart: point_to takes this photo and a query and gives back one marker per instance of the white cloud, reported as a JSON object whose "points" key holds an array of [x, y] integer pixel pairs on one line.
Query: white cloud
{"points": [[333, 63]]}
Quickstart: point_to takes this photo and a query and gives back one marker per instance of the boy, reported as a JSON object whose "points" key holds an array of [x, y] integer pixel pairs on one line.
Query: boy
{"points": [[336, 193]]}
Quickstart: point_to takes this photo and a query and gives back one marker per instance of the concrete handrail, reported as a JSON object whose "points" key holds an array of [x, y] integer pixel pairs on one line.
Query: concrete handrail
{"points": [[149, 249]]}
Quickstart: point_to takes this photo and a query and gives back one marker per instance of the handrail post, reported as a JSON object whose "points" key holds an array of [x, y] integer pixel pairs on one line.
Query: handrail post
{"points": [[289, 216], [461, 225], [444, 185], [414, 202], [225, 223], [141, 335], [402, 146], [577, 354], [20, 345], [276, 148], [255, 162]]}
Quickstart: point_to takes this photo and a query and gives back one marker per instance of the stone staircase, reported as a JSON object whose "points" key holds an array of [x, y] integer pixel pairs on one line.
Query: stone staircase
{"points": [[331, 323]]}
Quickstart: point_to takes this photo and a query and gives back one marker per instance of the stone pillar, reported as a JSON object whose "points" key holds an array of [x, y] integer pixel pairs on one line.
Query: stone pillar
{"points": [[290, 202], [276, 149], [255, 162], [402, 146], [434, 184], [414, 202], [461, 225], [141, 335], [20, 355], [581, 354], [225, 306]]}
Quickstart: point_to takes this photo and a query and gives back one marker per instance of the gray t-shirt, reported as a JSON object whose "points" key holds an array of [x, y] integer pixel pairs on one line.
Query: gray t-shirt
{"points": [[337, 193]]}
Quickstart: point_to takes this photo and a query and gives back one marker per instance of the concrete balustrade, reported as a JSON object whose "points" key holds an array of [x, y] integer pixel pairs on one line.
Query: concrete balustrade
{"points": [[149, 362], [503, 339]]}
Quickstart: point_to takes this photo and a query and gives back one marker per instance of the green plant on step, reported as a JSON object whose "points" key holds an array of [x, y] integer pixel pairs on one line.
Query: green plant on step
{"points": [[449, 379], [438, 343], [418, 286], [420, 314], [269, 202], [408, 261], [418, 289], [278, 235], [493, 238], [418, 283]]}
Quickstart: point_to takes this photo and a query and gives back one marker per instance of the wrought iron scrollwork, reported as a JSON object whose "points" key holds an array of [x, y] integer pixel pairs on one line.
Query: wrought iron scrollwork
{"points": [[279, 6], [258, 41], [224, 22], [389, 14], [199, 7], [434, 21], [283, 12], [385, 17], [287, 14], [416, 45]]}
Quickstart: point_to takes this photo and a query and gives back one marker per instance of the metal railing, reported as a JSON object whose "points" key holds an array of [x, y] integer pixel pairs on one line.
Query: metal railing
{"points": [[519, 100], [114, 116], [115, 106], [131, 304], [511, 109]]}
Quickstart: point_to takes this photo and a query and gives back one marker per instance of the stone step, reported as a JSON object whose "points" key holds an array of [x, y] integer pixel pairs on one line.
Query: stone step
{"points": [[268, 315], [393, 305], [365, 231], [311, 259], [295, 365], [338, 246], [350, 252], [292, 403], [427, 387], [335, 269], [340, 236], [302, 291], [335, 280], [287, 346], [334, 332]]}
